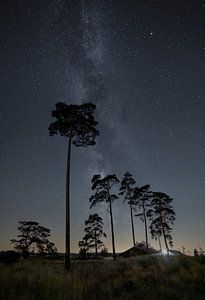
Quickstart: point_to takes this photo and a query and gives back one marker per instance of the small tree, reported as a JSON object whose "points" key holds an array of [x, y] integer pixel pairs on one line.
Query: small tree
{"points": [[104, 252], [127, 191], [162, 216], [41, 238], [196, 253], [30, 234], [84, 247], [94, 230], [102, 187], [142, 202], [50, 248], [94, 233], [77, 124]]}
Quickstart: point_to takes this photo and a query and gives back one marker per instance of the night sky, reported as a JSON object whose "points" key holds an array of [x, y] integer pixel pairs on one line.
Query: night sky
{"points": [[143, 64]]}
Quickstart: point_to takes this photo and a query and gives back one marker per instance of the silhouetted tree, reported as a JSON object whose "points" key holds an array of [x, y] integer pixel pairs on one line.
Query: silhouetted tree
{"points": [[162, 216], [30, 234], [50, 248], [94, 230], [77, 124], [142, 201], [201, 251], [183, 250], [102, 187], [104, 252], [84, 247], [94, 233], [196, 253], [127, 191], [156, 233]]}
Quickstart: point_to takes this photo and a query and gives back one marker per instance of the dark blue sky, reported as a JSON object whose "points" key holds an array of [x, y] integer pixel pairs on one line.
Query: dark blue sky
{"points": [[142, 64]]}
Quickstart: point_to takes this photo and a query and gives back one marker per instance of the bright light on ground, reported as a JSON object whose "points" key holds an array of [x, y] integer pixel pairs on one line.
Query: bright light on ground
{"points": [[165, 252]]}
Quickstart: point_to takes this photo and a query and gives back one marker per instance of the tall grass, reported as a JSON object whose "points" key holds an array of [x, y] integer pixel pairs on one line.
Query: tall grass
{"points": [[133, 278]]}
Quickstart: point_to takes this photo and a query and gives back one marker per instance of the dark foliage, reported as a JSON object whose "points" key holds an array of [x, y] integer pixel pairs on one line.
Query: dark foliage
{"points": [[104, 252], [31, 235], [93, 234], [75, 121], [9, 257]]}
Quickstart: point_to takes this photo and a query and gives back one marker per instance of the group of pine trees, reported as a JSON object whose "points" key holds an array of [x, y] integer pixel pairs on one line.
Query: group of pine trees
{"points": [[152, 208], [77, 123]]}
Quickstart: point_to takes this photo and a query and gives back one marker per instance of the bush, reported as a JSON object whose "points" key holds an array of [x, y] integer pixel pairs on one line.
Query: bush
{"points": [[104, 252], [25, 254], [9, 257]]}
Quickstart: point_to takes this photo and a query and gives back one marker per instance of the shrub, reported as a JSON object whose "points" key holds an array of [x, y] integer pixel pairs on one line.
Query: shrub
{"points": [[9, 257], [104, 252]]}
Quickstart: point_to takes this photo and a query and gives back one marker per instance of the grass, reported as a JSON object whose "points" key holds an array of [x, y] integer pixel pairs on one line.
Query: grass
{"points": [[177, 277]]}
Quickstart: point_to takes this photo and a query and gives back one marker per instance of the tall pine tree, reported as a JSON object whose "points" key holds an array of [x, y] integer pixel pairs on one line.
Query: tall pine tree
{"points": [[103, 193], [76, 123], [142, 202], [162, 216], [127, 191]]}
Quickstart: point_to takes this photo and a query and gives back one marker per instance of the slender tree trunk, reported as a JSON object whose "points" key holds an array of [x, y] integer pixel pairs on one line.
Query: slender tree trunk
{"points": [[165, 240], [67, 229], [145, 224], [112, 229], [96, 248], [132, 223], [160, 245]]}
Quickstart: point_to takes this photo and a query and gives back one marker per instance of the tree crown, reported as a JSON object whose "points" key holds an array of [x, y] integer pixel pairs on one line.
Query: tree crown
{"points": [[102, 187], [127, 187], [76, 122], [31, 233]]}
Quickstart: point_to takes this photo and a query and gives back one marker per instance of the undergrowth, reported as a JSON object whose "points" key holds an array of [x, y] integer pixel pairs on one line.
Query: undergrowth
{"points": [[177, 277]]}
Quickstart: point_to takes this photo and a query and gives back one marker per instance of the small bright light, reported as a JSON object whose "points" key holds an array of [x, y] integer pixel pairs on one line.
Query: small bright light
{"points": [[165, 252]]}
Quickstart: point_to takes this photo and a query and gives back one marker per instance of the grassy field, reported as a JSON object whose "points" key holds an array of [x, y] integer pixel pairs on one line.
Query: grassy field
{"points": [[134, 278]]}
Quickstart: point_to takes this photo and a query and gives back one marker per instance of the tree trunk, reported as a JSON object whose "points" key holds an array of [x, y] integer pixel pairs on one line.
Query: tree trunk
{"points": [[145, 224], [67, 229], [96, 248], [132, 223], [112, 229], [160, 245], [165, 240]]}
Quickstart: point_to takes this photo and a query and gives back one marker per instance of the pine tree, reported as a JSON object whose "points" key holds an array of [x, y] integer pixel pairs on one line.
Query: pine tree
{"points": [[156, 233], [127, 191], [142, 202], [93, 234], [102, 187], [163, 216], [78, 125], [31, 234]]}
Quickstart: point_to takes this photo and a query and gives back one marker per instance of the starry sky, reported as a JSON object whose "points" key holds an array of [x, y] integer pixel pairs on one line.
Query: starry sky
{"points": [[143, 64]]}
